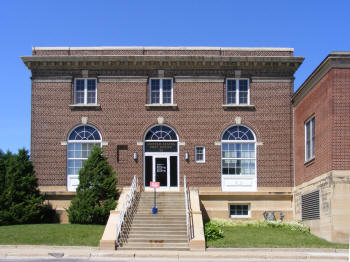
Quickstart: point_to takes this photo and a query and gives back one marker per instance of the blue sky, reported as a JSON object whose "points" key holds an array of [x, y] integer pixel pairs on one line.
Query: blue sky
{"points": [[312, 28]]}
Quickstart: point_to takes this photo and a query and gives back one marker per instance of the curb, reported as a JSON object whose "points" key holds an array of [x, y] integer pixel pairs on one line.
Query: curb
{"points": [[13, 251]]}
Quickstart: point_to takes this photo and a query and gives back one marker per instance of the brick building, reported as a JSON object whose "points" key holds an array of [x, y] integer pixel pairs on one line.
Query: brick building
{"points": [[322, 147], [220, 116]]}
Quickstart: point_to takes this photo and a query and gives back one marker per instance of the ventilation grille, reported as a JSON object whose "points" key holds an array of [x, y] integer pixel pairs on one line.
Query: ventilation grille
{"points": [[310, 206]]}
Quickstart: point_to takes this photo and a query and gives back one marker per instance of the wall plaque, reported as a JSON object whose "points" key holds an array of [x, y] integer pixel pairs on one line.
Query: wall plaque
{"points": [[160, 146]]}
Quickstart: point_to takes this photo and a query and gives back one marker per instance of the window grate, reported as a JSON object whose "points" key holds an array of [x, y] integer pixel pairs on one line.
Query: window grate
{"points": [[310, 206]]}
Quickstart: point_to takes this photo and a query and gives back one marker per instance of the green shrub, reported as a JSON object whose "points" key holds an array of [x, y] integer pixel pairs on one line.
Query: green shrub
{"points": [[213, 231], [293, 226], [20, 199], [96, 194]]}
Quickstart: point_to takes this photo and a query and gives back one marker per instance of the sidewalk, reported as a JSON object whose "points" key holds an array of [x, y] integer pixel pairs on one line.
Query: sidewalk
{"points": [[13, 251]]}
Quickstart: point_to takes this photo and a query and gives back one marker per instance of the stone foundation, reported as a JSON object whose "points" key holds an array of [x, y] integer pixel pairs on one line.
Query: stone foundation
{"points": [[334, 188]]}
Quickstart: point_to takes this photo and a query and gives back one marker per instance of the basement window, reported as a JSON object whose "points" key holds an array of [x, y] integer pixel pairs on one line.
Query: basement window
{"points": [[239, 211]]}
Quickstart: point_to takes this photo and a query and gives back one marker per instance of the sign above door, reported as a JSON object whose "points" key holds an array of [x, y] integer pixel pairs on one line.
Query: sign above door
{"points": [[160, 146]]}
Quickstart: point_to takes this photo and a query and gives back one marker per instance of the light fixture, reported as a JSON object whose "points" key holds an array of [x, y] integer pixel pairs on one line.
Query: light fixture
{"points": [[187, 157], [135, 156]]}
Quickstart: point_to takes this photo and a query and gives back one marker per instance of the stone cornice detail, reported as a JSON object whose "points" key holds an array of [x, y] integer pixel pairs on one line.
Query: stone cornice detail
{"points": [[272, 79], [284, 63], [62, 79], [112, 79], [199, 79]]}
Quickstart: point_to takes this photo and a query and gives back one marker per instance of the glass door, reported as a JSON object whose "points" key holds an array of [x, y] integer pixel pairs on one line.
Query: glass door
{"points": [[161, 171]]}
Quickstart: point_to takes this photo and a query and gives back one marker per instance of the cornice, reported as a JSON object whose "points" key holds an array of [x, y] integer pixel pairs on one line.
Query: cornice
{"points": [[286, 63], [333, 60]]}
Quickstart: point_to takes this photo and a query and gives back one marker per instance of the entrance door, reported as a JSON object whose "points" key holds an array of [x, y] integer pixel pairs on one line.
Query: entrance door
{"points": [[161, 157], [162, 169]]}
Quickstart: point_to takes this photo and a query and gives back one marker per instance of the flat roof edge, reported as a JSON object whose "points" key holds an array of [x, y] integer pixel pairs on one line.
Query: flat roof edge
{"points": [[170, 48], [317, 74]]}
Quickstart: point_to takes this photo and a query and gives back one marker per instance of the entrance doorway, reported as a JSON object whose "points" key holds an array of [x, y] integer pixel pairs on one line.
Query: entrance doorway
{"points": [[161, 158]]}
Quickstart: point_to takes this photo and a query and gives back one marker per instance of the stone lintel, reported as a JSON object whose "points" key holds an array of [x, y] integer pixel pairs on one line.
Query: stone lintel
{"points": [[109, 79]]}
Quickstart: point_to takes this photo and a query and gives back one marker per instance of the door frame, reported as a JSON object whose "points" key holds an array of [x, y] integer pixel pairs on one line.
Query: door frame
{"points": [[166, 155]]}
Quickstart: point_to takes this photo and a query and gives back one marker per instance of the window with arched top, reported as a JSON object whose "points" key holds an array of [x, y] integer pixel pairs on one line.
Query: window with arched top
{"points": [[238, 151], [164, 133], [80, 142]]}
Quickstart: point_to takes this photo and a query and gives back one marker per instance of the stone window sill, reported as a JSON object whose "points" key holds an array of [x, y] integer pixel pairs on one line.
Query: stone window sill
{"points": [[238, 107], [161, 106], [309, 162], [85, 107]]}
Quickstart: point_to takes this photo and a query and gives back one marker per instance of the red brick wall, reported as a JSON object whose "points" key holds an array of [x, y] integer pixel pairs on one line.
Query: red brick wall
{"points": [[199, 121], [329, 102], [341, 121], [317, 102]]}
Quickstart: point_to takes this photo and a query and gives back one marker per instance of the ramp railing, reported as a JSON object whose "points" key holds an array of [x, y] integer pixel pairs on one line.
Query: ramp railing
{"points": [[126, 213]]}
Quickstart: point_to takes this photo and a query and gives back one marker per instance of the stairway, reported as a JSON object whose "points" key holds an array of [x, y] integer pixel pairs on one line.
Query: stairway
{"points": [[165, 230]]}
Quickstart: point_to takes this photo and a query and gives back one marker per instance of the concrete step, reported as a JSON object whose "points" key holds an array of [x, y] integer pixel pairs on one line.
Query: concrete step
{"points": [[148, 219], [182, 240], [162, 202], [160, 225], [164, 232], [149, 208], [160, 232], [155, 246], [145, 193], [162, 211], [160, 217], [161, 214], [153, 227]]}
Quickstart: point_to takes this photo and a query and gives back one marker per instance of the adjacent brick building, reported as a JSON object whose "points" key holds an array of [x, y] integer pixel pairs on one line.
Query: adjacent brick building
{"points": [[220, 116], [322, 147]]}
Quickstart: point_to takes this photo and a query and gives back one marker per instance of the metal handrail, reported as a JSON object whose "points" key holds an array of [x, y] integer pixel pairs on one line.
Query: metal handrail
{"points": [[126, 206], [188, 212]]}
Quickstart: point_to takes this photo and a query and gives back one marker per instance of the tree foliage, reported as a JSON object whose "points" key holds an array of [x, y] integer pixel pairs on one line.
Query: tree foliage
{"points": [[96, 194], [20, 199]]}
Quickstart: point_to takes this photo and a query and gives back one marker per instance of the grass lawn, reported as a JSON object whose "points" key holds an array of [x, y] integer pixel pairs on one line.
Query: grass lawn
{"points": [[51, 234], [237, 236]]}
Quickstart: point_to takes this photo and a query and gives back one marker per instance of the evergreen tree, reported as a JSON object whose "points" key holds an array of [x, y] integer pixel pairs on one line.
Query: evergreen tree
{"points": [[96, 194], [2, 182], [21, 201]]}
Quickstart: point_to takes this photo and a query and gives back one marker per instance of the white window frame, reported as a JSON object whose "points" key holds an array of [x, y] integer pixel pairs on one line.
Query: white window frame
{"points": [[161, 90], [237, 91], [85, 91], [310, 121], [195, 154], [239, 183], [239, 216], [73, 179]]}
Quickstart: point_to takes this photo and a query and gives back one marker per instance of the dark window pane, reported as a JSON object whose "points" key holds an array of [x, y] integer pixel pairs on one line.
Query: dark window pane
{"points": [[243, 85], [155, 91], [91, 84], [79, 85]]}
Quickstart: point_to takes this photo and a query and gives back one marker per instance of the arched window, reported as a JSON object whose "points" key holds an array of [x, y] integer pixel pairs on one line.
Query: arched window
{"points": [[161, 133], [80, 142], [238, 147]]}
